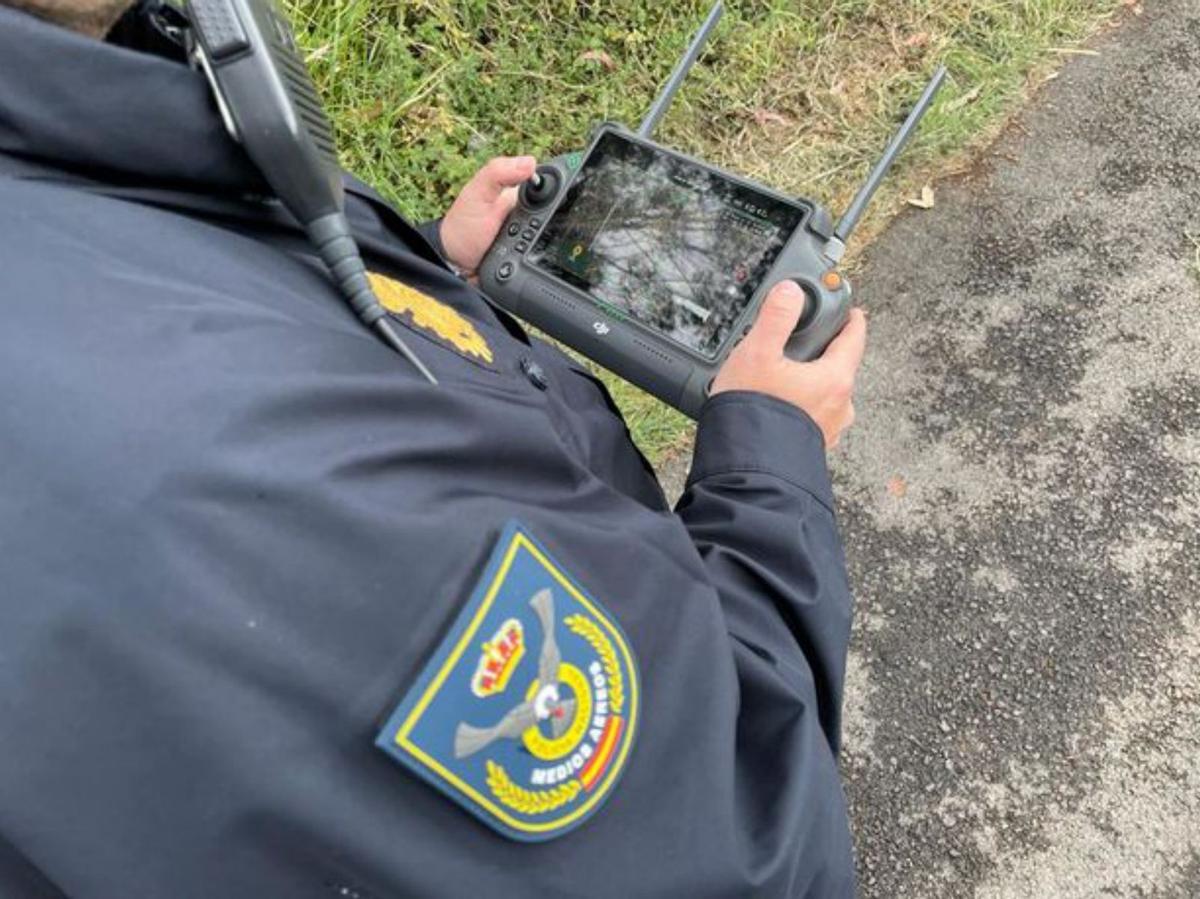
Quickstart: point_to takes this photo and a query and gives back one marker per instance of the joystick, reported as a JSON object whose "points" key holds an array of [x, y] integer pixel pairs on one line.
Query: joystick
{"points": [[541, 188]]}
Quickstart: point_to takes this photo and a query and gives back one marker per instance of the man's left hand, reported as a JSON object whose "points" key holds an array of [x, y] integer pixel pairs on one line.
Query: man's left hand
{"points": [[472, 223]]}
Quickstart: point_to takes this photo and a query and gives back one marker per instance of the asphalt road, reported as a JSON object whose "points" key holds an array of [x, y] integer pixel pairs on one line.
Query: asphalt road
{"points": [[1021, 502]]}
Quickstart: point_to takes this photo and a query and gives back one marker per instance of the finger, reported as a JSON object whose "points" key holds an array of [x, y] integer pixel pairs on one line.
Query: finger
{"points": [[777, 318], [846, 350], [507, 200], [505, 171]]}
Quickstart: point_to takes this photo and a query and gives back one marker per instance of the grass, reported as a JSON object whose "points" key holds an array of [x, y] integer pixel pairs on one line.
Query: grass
{"points": [[800, 94]]}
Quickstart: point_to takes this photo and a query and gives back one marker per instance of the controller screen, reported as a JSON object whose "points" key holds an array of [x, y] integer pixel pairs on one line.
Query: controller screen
{"points": [[675, 245]]}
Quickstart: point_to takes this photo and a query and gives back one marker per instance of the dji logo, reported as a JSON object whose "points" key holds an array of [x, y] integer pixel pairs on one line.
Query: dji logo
{"points": [[600, 328]]}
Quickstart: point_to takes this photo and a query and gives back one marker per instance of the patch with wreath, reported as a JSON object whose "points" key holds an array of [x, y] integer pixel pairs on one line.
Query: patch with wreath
{"points": [[527, 712]]}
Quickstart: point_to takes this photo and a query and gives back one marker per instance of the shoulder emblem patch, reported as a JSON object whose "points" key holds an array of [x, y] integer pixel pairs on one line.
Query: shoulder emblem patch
{"points": [[437, 319], [527, 712]]}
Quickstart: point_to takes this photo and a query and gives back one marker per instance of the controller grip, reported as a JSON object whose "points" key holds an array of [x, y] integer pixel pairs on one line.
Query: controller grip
{"points": [[824, 317]]}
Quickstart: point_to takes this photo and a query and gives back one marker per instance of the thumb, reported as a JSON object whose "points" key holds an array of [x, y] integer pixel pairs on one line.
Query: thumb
{"points": [[777, 319], [503, 172]]}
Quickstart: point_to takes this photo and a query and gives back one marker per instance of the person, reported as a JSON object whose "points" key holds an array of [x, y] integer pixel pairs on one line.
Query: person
{"points": [[282, 619]]}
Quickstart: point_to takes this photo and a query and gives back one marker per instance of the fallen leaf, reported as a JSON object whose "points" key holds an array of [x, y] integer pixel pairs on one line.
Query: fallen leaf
{"points": [[925, 201], [598, 56], [766, 117], [897, 486], [969, 97]]}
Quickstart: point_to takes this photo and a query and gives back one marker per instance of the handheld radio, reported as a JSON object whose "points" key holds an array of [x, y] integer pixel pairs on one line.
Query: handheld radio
{"points": [[270, 106], [654, 264]]}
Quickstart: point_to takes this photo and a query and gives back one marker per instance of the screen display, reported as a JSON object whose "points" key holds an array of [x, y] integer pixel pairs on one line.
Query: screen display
{"points": [[674, 245]]}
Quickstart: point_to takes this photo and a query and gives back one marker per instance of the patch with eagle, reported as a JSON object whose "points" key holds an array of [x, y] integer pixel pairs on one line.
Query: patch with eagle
{"points": [[527, 712], [436, 320]]}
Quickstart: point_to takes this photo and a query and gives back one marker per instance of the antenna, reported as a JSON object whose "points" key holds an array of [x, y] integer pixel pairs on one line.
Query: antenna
{"points": [[850, 219], [650, 122]]}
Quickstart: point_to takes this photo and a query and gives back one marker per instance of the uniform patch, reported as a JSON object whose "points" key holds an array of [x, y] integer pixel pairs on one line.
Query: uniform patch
{"points": [[437, 319], [527, 712]]}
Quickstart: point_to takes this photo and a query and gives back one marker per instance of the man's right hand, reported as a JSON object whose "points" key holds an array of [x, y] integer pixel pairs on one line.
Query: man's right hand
{"points": [[824, 388]]}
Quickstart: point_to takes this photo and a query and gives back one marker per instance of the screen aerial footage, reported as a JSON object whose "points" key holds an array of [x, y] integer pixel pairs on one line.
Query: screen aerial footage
{"points": [[674, 245]]}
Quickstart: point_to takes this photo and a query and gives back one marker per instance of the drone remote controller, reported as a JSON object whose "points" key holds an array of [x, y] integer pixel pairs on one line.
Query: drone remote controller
{"points": [[654, 264]]}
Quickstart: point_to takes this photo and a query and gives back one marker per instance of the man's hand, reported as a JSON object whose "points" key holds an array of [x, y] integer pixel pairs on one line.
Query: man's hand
{"points": [[823, 388], [471, 225]]}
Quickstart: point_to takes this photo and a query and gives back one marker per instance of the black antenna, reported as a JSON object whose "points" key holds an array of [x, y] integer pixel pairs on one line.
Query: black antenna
{"points": [[663, 101], [849, 221]]}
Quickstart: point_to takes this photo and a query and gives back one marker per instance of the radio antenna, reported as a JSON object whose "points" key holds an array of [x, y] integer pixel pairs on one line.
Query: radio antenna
{"points": [[849, 221], [667, 94]]}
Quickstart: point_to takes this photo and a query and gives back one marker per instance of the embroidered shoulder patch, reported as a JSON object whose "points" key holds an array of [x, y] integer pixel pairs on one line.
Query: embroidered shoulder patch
{"points": [[527, 712], [437, 319]]}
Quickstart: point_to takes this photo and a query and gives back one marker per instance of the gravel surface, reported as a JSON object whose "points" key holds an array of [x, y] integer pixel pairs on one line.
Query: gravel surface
{"points": [[1021, 502]]}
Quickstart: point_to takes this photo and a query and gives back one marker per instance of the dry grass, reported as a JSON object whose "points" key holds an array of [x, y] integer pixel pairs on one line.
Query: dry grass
{"points": [[799, 94]]}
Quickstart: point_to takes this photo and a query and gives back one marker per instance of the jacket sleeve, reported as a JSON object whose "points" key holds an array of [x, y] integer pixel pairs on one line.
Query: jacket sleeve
{"points": [[432, 232], [758, 506]]}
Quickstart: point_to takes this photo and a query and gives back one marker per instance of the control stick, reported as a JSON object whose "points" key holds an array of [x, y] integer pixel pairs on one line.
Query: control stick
{"points": [[541, 188]]}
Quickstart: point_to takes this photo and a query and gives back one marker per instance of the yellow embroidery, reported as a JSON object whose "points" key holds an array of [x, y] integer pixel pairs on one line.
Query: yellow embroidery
{"points": [[528, 802], [591, 632], [430, 315], [544, 747]]}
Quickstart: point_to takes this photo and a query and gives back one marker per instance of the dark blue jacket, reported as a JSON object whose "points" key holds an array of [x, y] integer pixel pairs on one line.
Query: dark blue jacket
{"points": [[235, 530]]}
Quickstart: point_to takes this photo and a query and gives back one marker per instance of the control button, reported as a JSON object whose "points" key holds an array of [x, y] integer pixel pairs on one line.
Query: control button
{"points": [[535, 223], [528, 234], [832, 280], [514, 229], [505, 271], [522, 246], [220, 26], [535, 373]]}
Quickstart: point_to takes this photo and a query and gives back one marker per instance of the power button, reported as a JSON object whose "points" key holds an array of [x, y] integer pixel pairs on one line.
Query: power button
{"points": [[220, 27]]}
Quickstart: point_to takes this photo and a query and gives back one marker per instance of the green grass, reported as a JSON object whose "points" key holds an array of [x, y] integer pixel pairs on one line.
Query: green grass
{"points": [[801, 94]]}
